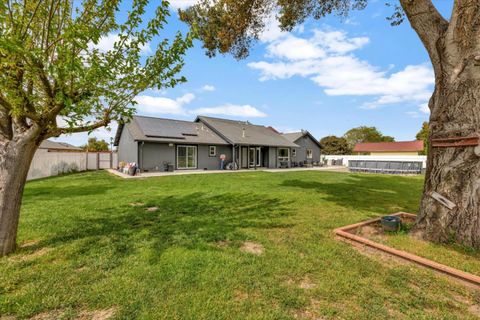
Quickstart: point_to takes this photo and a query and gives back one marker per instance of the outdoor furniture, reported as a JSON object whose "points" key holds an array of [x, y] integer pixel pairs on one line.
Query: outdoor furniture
{"points": [[283, 164]]}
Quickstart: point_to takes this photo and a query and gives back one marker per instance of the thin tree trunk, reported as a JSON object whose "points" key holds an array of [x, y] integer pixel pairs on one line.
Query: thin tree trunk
{"points": [[15, 159]]}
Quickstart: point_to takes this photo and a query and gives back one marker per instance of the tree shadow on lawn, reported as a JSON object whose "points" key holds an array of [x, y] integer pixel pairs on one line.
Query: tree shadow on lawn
{"points": [[193, 221], [371, 193]]}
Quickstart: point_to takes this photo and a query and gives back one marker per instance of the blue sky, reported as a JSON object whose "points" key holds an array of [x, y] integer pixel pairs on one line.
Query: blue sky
{"points": [[327, 77]]}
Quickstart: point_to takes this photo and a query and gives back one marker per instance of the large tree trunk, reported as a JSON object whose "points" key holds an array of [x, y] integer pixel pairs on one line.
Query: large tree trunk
{"points": [[15, 159], [454, 171]]}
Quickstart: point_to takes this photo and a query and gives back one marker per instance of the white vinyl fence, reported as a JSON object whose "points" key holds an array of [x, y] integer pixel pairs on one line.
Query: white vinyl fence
{"points": [[343, 159], [47, 163]]}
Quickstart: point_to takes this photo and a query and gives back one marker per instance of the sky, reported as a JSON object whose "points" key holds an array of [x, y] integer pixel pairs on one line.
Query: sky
{"points": [[326, 76]]}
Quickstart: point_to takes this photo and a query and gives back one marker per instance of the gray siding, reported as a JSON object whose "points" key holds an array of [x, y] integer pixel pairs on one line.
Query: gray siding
{"points": [[272, 157], [212, 163], [127, 147], [153, 155], [305, 143]]}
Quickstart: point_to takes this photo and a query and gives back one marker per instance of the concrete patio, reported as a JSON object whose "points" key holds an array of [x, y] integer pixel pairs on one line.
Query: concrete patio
{"points": [[185, 172]]}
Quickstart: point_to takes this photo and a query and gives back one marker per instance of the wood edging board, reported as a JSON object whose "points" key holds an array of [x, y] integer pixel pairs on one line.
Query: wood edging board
{"points": [[462, 275]]}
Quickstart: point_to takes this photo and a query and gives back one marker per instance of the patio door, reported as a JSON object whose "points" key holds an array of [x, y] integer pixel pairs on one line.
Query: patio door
{"points": [[254, 157], [186, 157]]}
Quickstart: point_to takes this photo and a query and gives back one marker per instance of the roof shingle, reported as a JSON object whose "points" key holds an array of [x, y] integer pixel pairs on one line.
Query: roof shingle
{"points": [[400, 146]]}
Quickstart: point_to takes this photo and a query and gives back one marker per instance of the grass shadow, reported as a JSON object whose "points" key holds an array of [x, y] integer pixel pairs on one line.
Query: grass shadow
{"points": [[192, 221], [372, 193]]}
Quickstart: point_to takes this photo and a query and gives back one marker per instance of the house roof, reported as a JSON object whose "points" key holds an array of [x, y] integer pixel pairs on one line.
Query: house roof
{"points": [[294, 136], [168, 130], [53, 145], [245, 133], [400, 146]]}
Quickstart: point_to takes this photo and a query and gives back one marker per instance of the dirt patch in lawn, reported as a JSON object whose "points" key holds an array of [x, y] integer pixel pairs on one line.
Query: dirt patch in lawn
{"points": [[306, 283], [48, 315], [222, 244], [310, 313], [252, 247], [137, 204], [31, 255], [152, 209], [30, 243], [102, 314]]}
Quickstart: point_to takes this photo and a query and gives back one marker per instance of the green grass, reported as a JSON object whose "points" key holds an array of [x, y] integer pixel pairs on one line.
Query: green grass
{"points": [[92, 250]]}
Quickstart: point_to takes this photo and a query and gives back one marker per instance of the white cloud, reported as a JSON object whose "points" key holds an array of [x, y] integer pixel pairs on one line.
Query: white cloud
{"points": [[232, 110], [327, 58], [424, 108], [107, 42], [161, 105], [208, 87], [182, 4]]}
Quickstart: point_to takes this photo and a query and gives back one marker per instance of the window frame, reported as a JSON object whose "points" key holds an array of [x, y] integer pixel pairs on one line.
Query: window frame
{"points": [[309, 153], [210, 151]]}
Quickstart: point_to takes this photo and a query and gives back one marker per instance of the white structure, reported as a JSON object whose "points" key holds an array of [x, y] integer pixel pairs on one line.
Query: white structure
{"points": [[346, 158]]}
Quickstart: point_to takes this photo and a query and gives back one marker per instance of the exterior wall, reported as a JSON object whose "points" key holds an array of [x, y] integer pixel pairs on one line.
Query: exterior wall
{"points": [[394, 153], [272, 157], [212, 163], [127, 147], [153, 155], [347, 158], [305, 143]]}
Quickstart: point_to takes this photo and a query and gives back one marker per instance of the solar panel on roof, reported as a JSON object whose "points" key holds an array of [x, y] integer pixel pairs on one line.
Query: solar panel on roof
{"points": [[160, 128]]}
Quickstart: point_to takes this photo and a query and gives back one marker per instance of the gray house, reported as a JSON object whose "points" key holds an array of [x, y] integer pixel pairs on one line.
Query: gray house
{"points": [[202, 144], [309, 148]]}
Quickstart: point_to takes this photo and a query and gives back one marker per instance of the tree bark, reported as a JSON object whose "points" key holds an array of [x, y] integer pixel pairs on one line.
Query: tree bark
{"points": [[15, 158], [452, 172]]}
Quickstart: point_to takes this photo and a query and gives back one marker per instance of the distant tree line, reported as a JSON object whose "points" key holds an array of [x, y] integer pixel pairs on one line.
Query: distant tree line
{"points": [[94, 145], [345, 144]]}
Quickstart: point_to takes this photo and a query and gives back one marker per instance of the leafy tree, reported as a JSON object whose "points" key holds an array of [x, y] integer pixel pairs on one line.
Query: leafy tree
{"points": [[95, 145], [334, 145], [365, 134], [54, 80], [232, 26], [423, 135]]}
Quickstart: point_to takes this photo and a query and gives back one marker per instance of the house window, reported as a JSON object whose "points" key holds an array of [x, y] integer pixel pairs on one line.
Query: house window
{"points": [[212, 151], [309, 154], [283, 154], [186, 157], [294, 152]]}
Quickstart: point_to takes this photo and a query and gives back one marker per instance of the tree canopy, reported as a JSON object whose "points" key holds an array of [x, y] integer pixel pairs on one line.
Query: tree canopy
{"points": [[233, 26], [334, 145], [365, 134], [55, 79], [423, 135], [95, 145]]}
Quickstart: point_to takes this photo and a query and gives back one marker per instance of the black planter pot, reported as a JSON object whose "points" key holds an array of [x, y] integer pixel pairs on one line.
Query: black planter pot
{"points": [[391, 223]]}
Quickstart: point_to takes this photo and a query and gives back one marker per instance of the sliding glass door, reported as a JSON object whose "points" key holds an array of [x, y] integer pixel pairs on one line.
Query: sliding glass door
{"points": [[186, 157]]}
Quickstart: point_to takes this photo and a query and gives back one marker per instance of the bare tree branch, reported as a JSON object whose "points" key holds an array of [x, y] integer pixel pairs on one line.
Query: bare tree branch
{"points": [[429, 25]]}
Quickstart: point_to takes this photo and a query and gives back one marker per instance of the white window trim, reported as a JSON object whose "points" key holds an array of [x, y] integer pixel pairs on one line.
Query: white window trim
{"points": [[195, 159], [286, 158], [214, 151], [309, 154], [294, 152]]}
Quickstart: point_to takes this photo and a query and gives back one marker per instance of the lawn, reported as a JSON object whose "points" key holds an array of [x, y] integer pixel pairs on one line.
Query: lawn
{"points": [[90, 245]]}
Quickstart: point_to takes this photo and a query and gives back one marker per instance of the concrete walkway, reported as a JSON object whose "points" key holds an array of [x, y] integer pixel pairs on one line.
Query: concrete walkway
{"points": [[184, 172]]}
